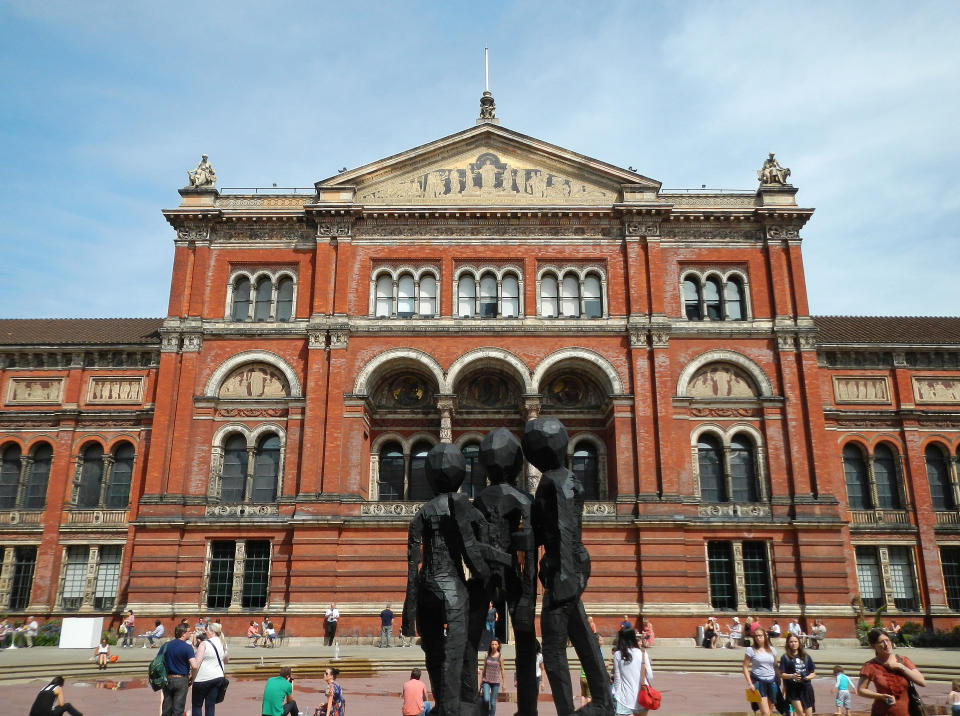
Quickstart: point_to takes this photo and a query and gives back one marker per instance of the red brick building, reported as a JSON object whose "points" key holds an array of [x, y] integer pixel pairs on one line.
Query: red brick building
{"points": [[260, 449]]}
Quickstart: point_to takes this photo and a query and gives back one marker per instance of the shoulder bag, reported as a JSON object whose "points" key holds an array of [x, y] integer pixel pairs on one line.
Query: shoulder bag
{"points": [[224, 682], [915, 704], [648, 698]]}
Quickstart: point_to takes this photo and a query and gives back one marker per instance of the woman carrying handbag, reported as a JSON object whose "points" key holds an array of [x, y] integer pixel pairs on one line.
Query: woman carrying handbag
{"points": [[632, 675]]}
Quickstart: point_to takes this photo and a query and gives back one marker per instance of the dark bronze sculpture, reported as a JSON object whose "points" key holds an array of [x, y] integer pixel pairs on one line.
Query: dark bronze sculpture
{"points": [[564, 570]]}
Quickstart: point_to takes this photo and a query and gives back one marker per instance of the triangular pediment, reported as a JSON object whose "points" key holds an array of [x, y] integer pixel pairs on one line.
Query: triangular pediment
{"points": [[489, 165]]}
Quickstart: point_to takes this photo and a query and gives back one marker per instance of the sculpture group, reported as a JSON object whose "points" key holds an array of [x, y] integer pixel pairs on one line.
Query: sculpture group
{"points": [[497, 537]]}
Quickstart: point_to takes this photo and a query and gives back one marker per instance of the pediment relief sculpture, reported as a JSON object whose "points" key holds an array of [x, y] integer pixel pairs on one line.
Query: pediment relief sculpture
{"points": [[255, 381], [721, 380], [406, 391], [486, 178]]}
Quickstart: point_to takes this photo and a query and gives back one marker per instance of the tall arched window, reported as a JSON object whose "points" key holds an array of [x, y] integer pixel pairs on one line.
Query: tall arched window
{"points": [[406, 301], [419, 487], [266, 469], [285, 299], [585, 466], [549, 308], [743, 474], [711, 299], [938, 475], [9, 477], [855, 474], [466, 296], [570, 299], [710, 459], [241, 299], [118, 491], [691, 299], [488, 296], [733, 300], [428, 296], [264, 297], [476, 478], [510, 299], [885, 474], [390, 484], [592, 298], [91, 476], [35, 496], [233, 477], [384, 307]]}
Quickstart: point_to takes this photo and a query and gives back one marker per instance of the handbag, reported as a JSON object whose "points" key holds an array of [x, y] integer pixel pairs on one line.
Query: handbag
{"points": [[224, 682], [648, 698], [915, 704]]}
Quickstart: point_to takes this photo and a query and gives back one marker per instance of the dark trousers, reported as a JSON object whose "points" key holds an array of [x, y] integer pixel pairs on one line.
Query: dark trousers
{"points": [[444, 654], [290, 708], [65, 709], [204, 697], [175, 695], [330, 628]]}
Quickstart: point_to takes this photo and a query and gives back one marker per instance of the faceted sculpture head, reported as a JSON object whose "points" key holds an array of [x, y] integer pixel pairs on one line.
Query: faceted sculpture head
{"points": [[501, 456], [446, 468], [545, 443]]}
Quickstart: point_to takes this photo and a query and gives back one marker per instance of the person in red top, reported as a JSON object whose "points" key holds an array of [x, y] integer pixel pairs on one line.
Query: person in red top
{"points": [[889, 676], [414, 696]]}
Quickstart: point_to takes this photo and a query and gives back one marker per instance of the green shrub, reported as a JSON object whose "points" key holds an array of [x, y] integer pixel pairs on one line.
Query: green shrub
{"points": [[863, 628], [48, 634]]}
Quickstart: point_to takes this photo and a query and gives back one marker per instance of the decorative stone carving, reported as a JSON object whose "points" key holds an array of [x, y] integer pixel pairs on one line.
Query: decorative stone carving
{"points": [[772, 173], [252, 413], [725, 201], [192, 342], [241, 511], [936, 389], [861, 389], [599, 509], [404, 391], [786, 341], [734, 510], [708, 232], [36, 391], [782, 233], [725, 412], [169, 342], [488, 108], [660, 337], [390, 509], [194, 232], [115, 390], [721, 380], [638, 337], [638, 228], [329, 229], [489, 391], [339, 337], [317, 339], [807, 341], [203, 177], [267, 202], [569, 390], [255, 380]]}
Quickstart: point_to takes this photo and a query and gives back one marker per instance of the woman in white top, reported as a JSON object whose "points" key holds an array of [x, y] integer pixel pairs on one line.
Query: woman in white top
{"points": [[103, 654], [628, 662], [761, 671], [208, 671]]}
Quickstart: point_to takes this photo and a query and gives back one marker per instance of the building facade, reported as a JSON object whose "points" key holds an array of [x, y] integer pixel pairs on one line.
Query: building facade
{"points": [[260, 449]]}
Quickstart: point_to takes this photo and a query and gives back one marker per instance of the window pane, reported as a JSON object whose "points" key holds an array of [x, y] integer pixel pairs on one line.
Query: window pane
{"points": [[548, 297], [118, 491], [488, 296], [74, 577], [91, 473], [723, 593], [233, 478], [510, 299], [756, 576], [9, 477], [855, 473], [241, 300], [868, 577], [570, 302], [266, 468], [712, 484], [419, 487], [256, 570], [950, 560], [592, 301], [475, 479], [261, 309], [467, 293], [391, 472], [285, 299], [742, 472], [405, 300], [711, 299], [220, 584], [885, 473], [902, 588], [24, 561], [384, 296], [36, 494], [941, 491], [108, 577], [585, 467], [428, 296], [691, 300], [733, 298]]}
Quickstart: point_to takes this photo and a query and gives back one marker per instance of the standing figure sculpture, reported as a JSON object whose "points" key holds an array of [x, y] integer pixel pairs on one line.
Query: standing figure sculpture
{"points": [[203, 177], [564, 570], [442, 537], [507, 512]]}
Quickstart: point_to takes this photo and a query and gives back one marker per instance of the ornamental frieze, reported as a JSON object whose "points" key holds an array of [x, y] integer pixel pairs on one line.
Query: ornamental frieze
{"points": [[725, 412], [726, 201], [265, 202], [251, 413], [734, 510], [709, 233], [241, 511], [782, 233], [258, 233], [468, 230], [194, 232]]}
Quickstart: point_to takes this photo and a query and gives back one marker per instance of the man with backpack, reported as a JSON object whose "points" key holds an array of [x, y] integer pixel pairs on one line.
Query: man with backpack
{"points": [[175, 657]]}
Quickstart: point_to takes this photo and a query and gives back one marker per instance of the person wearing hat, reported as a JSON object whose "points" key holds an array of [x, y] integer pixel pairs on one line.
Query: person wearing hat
{"points": [[736, 632]]}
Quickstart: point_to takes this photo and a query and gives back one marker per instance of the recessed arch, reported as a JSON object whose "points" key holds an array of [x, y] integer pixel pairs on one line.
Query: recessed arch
{"points": [[596, 361], [374, 367], [487, 355], [760, 378], [216, 379]]}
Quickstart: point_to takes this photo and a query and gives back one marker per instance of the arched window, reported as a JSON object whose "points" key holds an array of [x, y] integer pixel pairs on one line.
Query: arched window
{"points": [[711, 299], [743, 475], [548, 297], [91, 476], [264, 297], [476, 478], [733, 300], [885, 474], [691, 299], [428, 296], [266, 469], [419, 487], [938, 475], [35, 496], [233, 478], [390, 484], [466, 296], [285, 299], [585, 466], [488, 296], [592, 300], [118, 491], [570, 300], [710, 459], [855, 474], [510, 299], [241, 299], [9, 477], [384, 307], [406, 301]]}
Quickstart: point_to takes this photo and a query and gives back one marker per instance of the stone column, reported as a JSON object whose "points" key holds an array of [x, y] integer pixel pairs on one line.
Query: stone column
{"points": [[6, 575], [239, 564], [105, 478], [739, 578], [531, 409], [90, 582], [446, 406]]}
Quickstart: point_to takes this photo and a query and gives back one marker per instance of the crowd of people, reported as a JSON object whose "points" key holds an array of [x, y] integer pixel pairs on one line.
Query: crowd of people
{"points": [[24, 632], [740, 634]]}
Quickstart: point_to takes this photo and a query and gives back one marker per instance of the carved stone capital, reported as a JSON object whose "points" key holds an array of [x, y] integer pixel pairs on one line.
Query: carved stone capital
{"points": [[169, 342], [332, 228], [339, 336], [660, 337], [317, 339], [807, 341], [646, 227], [782, 233], [786, 341], [194, 231], [531, 406], [192, 342], [638, 337], [899, 359]]}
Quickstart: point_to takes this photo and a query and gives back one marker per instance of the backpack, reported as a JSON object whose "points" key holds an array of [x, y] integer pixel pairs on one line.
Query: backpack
{"points": [[157, 671]]}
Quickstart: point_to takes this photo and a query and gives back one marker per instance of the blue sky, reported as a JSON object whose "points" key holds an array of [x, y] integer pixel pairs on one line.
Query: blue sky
{"points": [[107, 104]]}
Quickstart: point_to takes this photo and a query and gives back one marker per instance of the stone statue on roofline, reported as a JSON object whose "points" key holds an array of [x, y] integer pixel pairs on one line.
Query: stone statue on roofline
{"points": [[203, 177], [772, 172]]}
